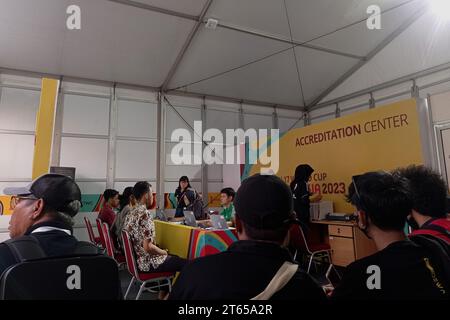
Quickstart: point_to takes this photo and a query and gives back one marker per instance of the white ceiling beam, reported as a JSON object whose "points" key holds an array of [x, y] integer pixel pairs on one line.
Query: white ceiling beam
{"points": [[186, 46], [235, 100], [149, 7], [405, 25], [295, 43]]}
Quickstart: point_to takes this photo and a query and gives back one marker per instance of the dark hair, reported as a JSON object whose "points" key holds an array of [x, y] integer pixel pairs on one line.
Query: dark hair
{"points": [[302, 173], [384, 197], [272, 235], [109, 193], [125, 197], [185, 179], [428, 189], [141, 188], [229, 192]]}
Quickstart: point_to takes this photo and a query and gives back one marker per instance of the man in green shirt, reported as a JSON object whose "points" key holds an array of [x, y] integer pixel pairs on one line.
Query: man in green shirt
{"points": [[226, 200]]}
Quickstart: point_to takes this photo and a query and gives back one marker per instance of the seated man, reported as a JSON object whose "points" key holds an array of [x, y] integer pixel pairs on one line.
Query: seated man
{"points": [[226, 200], [429, 191], [263, 217], [44, 210], [110, 202], [400, 269], [141, 228]]}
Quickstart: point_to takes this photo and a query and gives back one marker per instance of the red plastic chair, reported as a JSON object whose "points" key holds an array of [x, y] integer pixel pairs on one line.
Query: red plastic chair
{"points": [[110, 249], [100, 232], [144, 278], [298, 241], [95, 240]]}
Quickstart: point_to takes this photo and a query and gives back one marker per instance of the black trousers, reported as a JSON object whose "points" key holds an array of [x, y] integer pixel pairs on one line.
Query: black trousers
{"points": [[171, 264]]}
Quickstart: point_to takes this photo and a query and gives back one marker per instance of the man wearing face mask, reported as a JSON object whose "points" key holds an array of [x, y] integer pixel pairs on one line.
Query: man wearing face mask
{"points": [[44, 212], [400, 269], [429, 214]]}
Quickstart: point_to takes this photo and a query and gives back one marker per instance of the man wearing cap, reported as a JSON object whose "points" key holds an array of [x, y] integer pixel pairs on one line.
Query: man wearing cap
{"points": [[264, 214], [44, 210]]}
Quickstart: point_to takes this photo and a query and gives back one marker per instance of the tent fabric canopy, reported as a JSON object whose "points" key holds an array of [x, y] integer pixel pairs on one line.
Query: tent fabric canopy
{"points": [[291, 53]]}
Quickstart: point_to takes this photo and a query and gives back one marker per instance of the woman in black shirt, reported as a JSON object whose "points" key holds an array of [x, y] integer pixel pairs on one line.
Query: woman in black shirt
{"points": [[299, 188], [185, 195]]}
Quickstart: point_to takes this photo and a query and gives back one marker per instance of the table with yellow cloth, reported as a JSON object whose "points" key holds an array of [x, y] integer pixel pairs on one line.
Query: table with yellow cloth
{"points": [[188, 242]]}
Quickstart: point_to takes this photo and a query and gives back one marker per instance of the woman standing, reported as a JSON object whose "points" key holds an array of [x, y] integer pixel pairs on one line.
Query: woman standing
{"points": [[299, 187], [185, 195]]}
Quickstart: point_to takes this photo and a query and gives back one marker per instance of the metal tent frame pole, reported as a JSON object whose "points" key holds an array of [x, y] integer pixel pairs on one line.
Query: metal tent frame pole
{"points": [[405, 25]]}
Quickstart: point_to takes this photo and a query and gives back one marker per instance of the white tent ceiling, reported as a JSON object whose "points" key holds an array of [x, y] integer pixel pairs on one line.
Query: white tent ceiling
{"points": [[249, 56]]}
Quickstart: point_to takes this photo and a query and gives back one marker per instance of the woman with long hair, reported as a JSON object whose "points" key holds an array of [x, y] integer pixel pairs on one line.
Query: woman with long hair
{"points": [[185, 195]]}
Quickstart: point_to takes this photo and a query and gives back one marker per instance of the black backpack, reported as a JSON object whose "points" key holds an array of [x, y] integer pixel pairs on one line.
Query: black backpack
{"points": [[83, 275], [197, 207], [440, 254]]}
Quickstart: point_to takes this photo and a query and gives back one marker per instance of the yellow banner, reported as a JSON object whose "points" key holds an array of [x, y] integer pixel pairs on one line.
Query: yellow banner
{"points": [[5, 208], [382, 138], [44, 127]]}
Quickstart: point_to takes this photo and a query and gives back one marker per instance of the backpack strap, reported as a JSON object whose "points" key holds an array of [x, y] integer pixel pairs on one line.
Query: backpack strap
{"points": [[25, 248], [439, 251], [281, 278], [86, 248], [436, 228]]}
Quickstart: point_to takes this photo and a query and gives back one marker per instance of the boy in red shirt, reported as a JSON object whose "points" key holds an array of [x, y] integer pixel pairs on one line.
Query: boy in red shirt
{"points": [[429, 214], [110, 201]]}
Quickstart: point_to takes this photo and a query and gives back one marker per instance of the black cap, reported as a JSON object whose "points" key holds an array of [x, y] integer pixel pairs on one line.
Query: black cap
{"points": [[264, 202], [59, 192]]}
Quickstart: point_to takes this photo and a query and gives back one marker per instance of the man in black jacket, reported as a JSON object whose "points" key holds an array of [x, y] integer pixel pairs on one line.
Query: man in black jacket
{"points": [[401, 269], [44, 210], [263, 206]]}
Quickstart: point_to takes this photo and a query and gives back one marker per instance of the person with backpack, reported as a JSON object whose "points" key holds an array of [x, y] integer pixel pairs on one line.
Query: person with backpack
{"points": [[429, 213], [416, 268], [43, 217], [188, 198], [257, 266]]}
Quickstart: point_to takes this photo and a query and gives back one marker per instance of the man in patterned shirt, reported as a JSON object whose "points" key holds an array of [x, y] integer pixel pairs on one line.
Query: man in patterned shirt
{"points": [[141, 228]]}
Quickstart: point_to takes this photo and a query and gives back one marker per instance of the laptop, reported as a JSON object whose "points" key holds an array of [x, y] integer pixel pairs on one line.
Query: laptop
{"points": [[219, 222], [170, 213], [333, 276], [189, 219], [160, 215]]}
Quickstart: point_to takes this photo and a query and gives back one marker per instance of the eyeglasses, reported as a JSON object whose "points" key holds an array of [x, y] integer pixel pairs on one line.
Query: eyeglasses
{"points": [[16, 199]]}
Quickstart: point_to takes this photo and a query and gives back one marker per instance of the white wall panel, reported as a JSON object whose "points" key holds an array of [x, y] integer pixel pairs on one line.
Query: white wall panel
{"points": [[88, 156], [215, 172], [170, 154], [215, 187], [175, 172], [284, 124], [135, 159], [222, 120], [92, 187], [18, 109], [17, 159], [175, 122], [137, 119], [253, 121], [440, 107], [85, 115]]}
